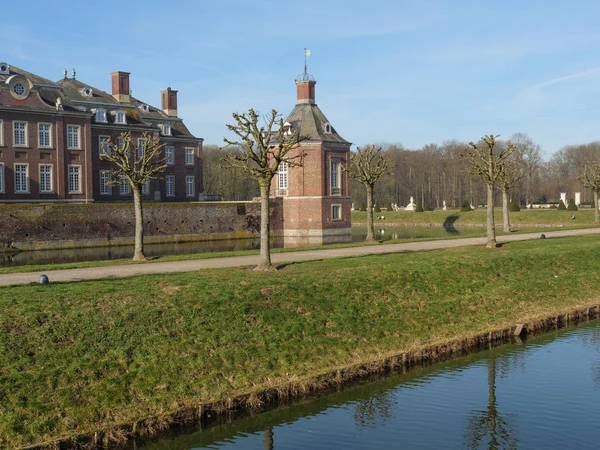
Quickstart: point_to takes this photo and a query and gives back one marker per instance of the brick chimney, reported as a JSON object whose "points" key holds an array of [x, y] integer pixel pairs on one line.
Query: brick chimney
{"points": [[169, 102], [120, 87], [306, 91]]}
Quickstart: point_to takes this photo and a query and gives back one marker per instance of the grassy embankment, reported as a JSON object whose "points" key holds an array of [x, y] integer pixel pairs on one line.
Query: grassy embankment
{"points": [[85, 356], [542, 219]]}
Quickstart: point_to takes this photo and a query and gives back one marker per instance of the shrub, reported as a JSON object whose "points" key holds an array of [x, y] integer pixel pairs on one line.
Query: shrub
{"points": [[572, 206], [466, 206], [561, 206], [419, 207], [390, 207], [363, 208], [377, 208], [514, 205]]}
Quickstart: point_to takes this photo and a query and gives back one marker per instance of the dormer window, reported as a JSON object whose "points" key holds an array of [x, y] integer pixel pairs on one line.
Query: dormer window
{"points": [[287, 127], [145, 108], [4, 69], [327, 128], [101, 116], [121, 117], [166, 129], [87, 92]]}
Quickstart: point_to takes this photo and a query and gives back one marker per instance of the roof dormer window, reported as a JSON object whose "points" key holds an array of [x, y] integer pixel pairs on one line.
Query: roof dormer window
{"points": [[166, 129], [120, 117], [101, 116], [145, 108], [287, 129], [4, 69], [327, 128], [87, 92]]}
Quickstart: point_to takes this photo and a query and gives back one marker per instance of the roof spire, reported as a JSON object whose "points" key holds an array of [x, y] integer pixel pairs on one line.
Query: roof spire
{"points": [[74, 73], [306, 55], [305, 76], [65, 74]]}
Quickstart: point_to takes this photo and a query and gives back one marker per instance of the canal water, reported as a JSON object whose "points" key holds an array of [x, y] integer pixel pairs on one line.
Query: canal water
{"points": [[541, 394], [151, 250]]}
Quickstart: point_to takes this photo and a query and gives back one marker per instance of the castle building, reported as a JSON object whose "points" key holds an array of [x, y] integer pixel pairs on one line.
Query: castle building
{"points": [[53, 133], [314, 199]]}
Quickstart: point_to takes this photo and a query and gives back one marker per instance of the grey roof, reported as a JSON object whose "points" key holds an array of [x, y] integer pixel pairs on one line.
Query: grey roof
{"points": [[310, 122]]}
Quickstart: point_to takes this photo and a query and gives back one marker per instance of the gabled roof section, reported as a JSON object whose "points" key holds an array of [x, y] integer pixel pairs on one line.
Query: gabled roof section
{"points": [[73, 89], [310, 122]]}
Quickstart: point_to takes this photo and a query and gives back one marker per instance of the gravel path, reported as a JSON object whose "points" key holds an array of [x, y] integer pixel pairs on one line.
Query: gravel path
{"points": [[95, 273]]}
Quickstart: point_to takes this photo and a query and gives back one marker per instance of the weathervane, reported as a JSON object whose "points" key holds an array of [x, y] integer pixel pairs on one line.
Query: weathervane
{"points": [[306, 55], [305, 76]]}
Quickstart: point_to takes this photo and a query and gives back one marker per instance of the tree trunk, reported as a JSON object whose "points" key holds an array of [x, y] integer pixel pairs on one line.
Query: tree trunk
{"points": [[138, 254], [370, 227], [596, 218], [505, 217], [265, 228], [268, 439], [491, 229]]}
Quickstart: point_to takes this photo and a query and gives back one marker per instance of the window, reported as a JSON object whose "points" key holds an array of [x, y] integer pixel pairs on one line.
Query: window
{"points": [[327, 128], [44, 136], [22, 178], [120, 143], [189, 156], [74, 180], [101, 116], [73, 136], [189, 186], [141, 147], [104, 145], [336, 212], [121, 117], [46, 178], [170, 155], [166, 130], [335, 178], [20, 134], [2, 178], [282, 179], [170, 183], [146, 188], [124, 187], [1, 132], [19, 89], [105, 178]]}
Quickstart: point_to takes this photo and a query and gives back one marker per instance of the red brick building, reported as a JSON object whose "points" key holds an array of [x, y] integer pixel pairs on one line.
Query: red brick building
{"points": [[52, 134], [315, 198]]}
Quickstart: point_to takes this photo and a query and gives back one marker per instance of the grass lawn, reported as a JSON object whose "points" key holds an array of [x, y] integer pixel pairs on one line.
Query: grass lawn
{"points": [[78, 357]]}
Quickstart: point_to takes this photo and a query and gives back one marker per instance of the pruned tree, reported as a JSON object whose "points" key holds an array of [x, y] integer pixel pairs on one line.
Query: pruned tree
{"points": [[486, 161], [589, 175], [260, 149], [509, 176], [136, 164], [367, 166]]}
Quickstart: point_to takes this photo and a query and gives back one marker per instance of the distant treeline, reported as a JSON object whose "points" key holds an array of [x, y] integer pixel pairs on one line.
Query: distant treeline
{"points": [[436, 173]]}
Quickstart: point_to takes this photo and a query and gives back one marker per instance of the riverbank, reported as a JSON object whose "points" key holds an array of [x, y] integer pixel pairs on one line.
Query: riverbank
{"points": [[93, 356]]}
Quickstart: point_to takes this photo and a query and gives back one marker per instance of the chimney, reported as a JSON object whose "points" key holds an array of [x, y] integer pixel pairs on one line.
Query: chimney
{"points": [[169, 102], [120, 87], [306, 91]]}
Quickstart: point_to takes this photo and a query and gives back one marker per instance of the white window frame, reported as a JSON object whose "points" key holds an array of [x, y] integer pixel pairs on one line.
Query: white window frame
{"points": [[50, 174], [71, 168], [146, 187], [189, 156], [40, 145], [120, 143], [101, 149], [104, 179], [282, 179], [166, 129], [170, 185], [141, 147], [121, 117], [190, 185], [101, 116], [2, 133], [25, 136], [170, 155], [337, 217], [335, 179], [26, 190], [2, 190], [76, 128], [124, 187]]}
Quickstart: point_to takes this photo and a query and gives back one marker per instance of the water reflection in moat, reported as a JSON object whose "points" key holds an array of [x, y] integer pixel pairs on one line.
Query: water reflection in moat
{"points": [[541, 394], [151, 250]]}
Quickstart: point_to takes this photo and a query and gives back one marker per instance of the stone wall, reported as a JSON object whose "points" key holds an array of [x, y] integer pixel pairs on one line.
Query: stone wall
{"points": [[30, 227]]}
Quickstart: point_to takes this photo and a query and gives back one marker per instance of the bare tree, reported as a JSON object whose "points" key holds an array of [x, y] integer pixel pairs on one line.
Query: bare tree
{"points": [[530, 154], [136, 164], [486, 160], [589, 175], [368, 165], [263, 149], [510, 174]]}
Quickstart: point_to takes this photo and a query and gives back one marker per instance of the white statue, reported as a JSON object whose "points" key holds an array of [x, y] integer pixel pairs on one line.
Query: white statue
{"points": [[411, 206], [444, 205]]}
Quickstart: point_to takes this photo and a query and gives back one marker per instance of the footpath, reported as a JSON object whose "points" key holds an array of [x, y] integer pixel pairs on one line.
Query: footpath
{"points": [[121, 271]]}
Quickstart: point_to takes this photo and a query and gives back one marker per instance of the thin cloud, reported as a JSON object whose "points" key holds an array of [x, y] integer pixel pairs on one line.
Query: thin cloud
{"points": [[587, 73]]}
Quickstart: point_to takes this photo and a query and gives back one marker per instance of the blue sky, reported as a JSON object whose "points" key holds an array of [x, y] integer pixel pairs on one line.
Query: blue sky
{"points": [[410, 72]]}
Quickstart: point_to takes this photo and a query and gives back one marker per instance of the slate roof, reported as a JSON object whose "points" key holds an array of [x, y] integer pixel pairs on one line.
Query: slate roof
{"points": [[310, 121]]}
